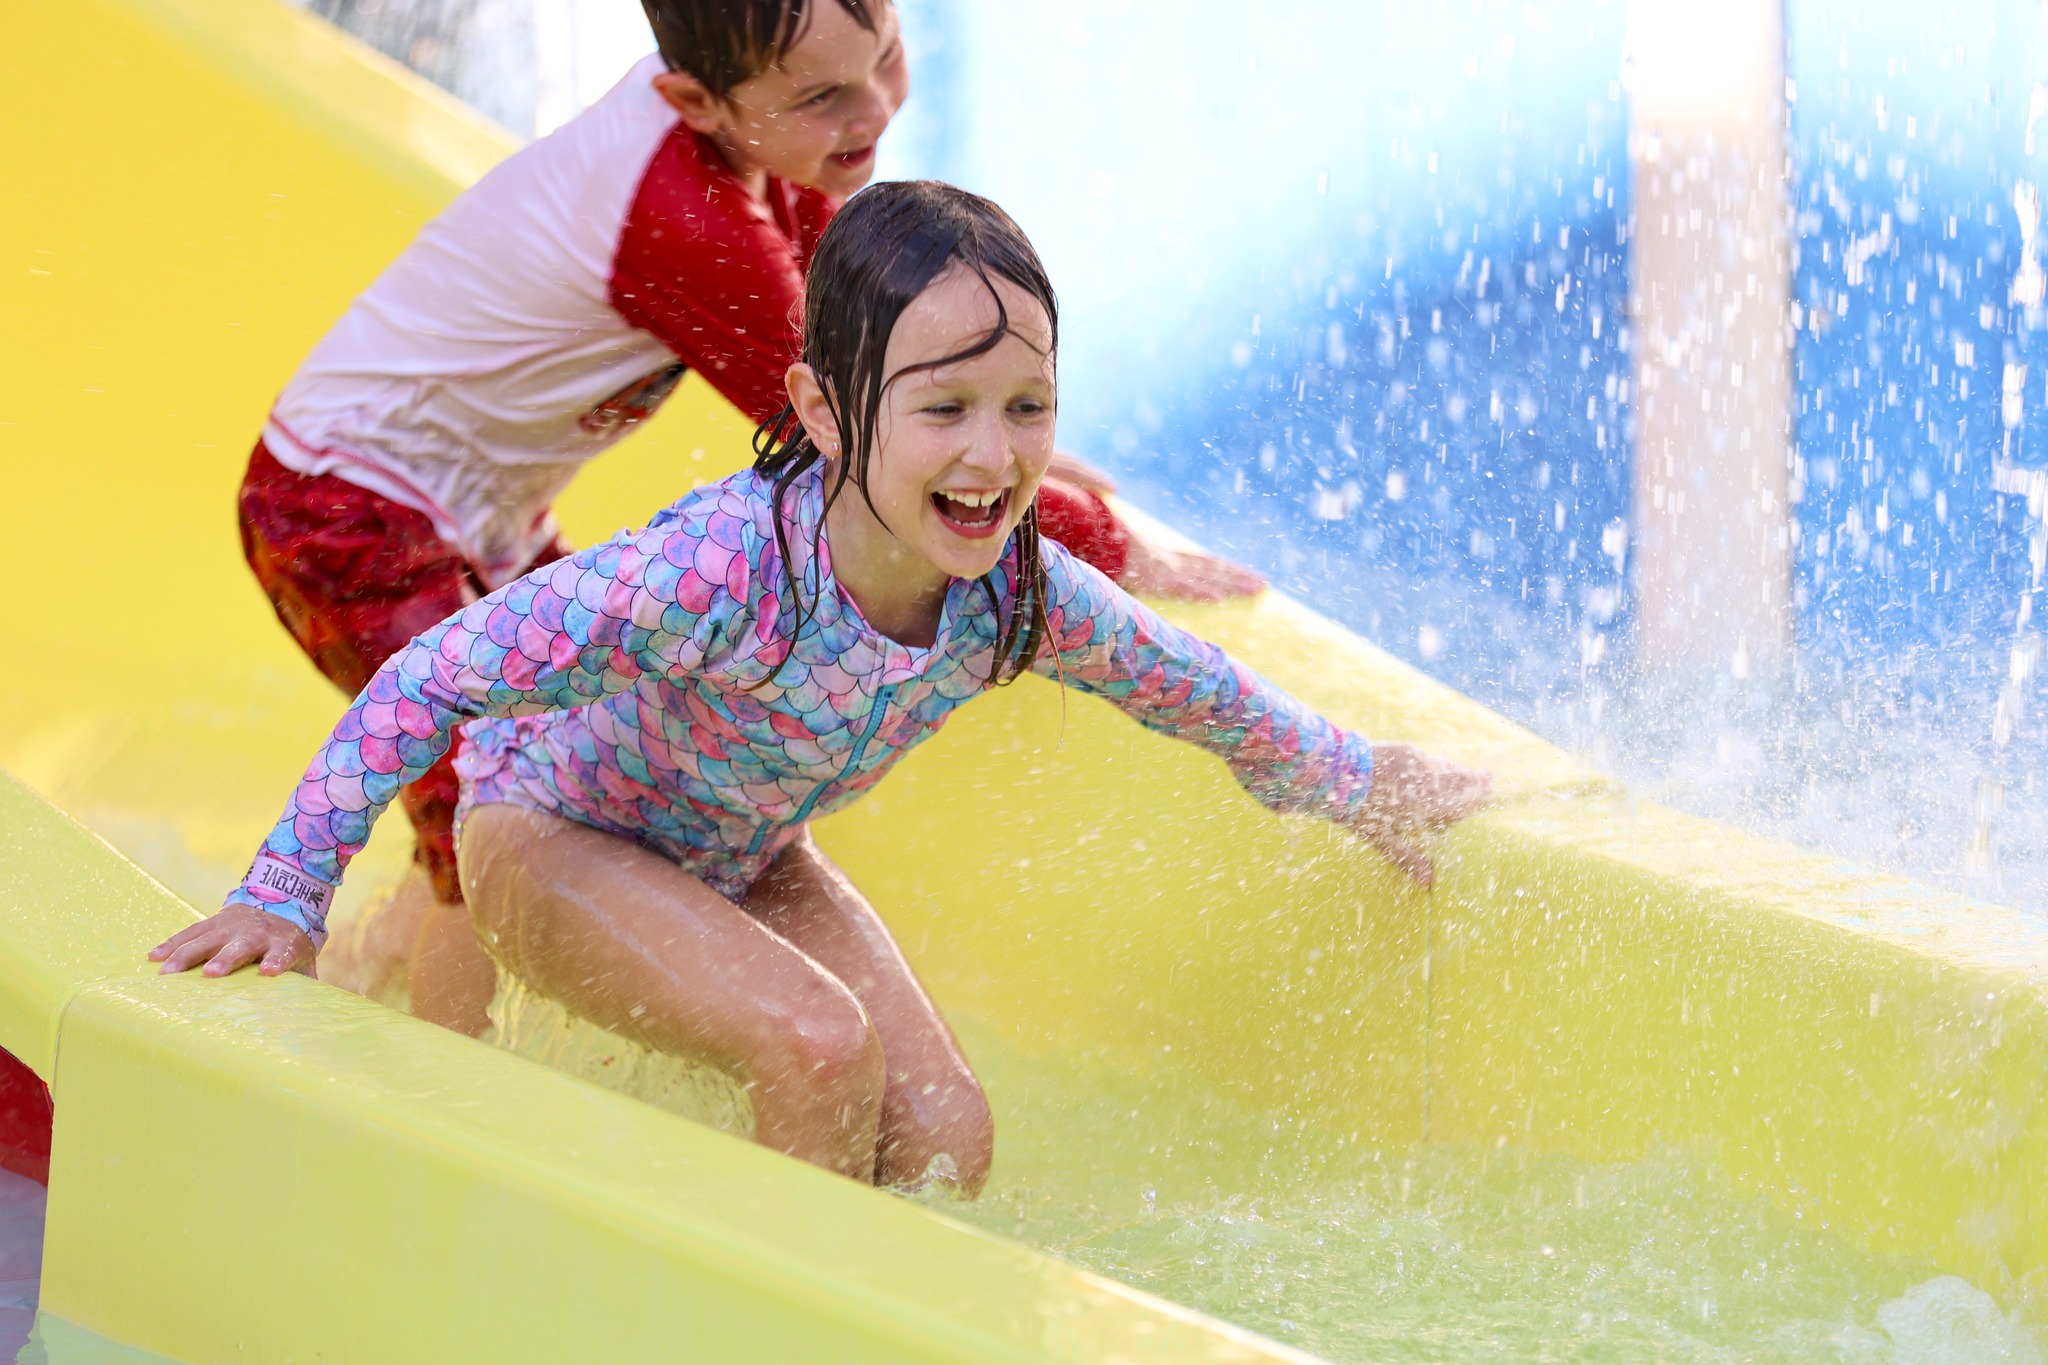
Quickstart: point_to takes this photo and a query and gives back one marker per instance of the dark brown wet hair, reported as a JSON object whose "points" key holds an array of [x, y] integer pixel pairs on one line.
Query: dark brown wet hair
{"points": [[880, 252], [725, 42]]}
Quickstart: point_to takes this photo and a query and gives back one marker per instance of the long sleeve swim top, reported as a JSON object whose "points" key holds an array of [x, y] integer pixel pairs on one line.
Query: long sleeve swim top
{"points": [[650, 686]]}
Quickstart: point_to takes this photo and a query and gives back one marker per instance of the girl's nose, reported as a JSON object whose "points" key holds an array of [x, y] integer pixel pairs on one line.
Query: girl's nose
{"points": [[989, 448]]}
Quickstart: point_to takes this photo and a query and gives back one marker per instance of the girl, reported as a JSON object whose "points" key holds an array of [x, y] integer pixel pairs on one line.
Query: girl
{"points": [[666, 711]]}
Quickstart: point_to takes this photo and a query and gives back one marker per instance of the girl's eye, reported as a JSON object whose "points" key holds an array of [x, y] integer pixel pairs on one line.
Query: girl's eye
{"points": [[1028, 407], [821, 99], [944, 409]]}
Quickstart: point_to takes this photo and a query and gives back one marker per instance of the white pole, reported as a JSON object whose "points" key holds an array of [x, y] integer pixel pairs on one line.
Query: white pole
{"points": [[1709, 284]]}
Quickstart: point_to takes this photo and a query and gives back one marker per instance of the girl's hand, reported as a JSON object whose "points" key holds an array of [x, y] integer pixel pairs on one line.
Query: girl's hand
{"points": [[1411, 792], [234, 938]]}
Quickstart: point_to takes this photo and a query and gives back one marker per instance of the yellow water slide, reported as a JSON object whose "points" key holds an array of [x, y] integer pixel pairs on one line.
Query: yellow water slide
{"points": [[190, 192]]}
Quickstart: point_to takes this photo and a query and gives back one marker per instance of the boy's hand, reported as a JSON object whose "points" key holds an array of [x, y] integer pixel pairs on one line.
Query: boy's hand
{"points": [[233, 939], [1413, 791], [1078, 472], [1155, 571]]}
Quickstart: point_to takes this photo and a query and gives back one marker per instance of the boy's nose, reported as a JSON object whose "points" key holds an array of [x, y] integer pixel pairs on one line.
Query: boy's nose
{"points": [[872, 112]]}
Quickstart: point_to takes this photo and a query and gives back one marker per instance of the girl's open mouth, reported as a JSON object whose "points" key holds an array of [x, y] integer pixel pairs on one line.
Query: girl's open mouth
{"points": [[974, 515], [859, 156]]}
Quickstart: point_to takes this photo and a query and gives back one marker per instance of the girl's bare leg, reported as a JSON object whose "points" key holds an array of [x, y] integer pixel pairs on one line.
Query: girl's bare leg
{"points": [[452, 979], [631, 942], [932, 1103]]}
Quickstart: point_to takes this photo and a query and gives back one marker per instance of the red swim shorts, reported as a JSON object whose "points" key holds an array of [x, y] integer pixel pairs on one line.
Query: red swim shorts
{"points": [[1084, 524], [354, 577]]}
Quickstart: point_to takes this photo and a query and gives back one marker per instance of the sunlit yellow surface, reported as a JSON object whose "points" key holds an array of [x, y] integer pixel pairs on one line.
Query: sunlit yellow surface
{"points": [[192, 191]]}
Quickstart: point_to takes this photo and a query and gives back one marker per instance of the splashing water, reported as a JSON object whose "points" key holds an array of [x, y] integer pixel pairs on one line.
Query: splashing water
{"points": [[1444, 1252], [1447, 1253]]}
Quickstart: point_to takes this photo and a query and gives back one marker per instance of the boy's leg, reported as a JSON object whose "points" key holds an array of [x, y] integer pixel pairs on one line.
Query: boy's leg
{"points": [[932, 1103], [450, 980], [353, 577], [628, 940]]}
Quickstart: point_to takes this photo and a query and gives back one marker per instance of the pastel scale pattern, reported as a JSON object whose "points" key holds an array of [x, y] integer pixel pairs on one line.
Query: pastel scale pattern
{"points": [[627, 688]]}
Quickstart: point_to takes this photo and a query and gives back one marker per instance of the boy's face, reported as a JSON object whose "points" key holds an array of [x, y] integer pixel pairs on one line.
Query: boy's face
{"points": [[814, 118]]}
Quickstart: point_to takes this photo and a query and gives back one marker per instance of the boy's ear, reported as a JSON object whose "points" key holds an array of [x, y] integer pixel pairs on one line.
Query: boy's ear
{"points": [[807, 396], [702, 111]]}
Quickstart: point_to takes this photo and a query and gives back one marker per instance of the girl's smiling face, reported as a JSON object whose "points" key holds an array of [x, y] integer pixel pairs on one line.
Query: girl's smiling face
{"points": [[959, 451]]}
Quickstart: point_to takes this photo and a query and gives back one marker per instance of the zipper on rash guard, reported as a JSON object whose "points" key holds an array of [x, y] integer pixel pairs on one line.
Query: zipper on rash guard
{"points": [[883, 695]]}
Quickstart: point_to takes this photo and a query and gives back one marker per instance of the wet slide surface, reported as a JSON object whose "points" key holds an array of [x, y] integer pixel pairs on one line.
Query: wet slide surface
{"points": [[1569, 1106]]}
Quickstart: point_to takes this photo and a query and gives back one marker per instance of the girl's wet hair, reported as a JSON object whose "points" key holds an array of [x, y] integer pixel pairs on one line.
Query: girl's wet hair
{"points": [[726, 42], [880, 252]]}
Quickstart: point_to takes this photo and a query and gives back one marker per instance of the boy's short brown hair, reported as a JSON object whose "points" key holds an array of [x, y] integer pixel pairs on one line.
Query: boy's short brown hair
{"points": [[725, 42]]}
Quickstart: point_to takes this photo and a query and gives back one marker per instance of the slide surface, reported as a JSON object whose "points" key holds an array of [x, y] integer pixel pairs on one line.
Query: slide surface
{"points": [[273, 1170]]}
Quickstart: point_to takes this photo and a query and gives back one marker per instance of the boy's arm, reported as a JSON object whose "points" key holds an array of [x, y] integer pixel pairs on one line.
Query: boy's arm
{"points": [[708, 272], [567, 634]]}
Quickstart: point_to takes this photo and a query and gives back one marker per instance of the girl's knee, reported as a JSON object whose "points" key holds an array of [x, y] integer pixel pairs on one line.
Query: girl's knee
{"points": [[826, 1051]]}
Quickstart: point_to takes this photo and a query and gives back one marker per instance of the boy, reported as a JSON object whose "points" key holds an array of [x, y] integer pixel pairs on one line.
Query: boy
{"points": [[409, 465]]}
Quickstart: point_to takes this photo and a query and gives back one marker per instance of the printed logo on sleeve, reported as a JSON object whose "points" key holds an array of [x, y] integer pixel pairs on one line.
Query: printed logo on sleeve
{"points": [[295, 887], [633, 404]]}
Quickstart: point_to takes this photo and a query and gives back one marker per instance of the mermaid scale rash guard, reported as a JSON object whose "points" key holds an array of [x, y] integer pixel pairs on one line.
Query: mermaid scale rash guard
{"points": [[627, 688]]}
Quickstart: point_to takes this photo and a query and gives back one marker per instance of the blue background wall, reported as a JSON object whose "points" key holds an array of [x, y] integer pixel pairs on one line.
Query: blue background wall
{"points": [[1344, 287]]}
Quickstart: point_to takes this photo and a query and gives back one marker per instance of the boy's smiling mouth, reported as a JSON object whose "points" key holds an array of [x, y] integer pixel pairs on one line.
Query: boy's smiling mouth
{"points": [[975, 514]]}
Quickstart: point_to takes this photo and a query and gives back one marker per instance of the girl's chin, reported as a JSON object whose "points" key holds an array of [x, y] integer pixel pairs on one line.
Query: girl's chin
{"points": [[957, 557]]}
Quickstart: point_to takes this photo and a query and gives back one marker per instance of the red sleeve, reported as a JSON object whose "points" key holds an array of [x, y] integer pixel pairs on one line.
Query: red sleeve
{"points": [[1084, 524], [715, 274], [718, 276]]}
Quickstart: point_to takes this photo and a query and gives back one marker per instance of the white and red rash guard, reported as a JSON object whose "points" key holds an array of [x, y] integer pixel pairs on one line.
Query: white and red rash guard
{"points": [[543, 314]]}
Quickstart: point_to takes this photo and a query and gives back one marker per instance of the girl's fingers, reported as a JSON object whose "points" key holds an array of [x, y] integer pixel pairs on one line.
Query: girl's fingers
{"points": [[1456, 793], [284, 955], [1406, 856], [196, 948], [180, 939], [237, 953], [1414, 788]]}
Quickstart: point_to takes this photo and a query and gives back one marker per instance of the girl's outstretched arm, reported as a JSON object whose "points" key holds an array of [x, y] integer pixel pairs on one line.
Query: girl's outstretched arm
{"points": [[565, 635], [1293, 760]]}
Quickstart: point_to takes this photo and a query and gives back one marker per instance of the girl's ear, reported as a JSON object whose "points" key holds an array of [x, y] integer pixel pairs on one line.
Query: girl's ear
{"points": [[702, 111], [807, 396]]}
